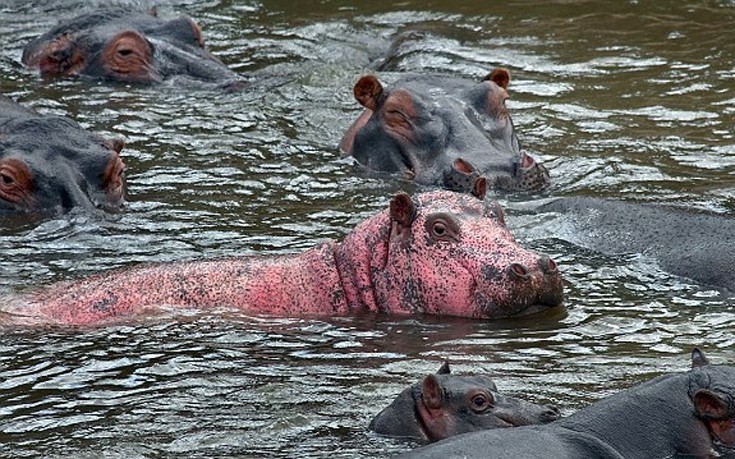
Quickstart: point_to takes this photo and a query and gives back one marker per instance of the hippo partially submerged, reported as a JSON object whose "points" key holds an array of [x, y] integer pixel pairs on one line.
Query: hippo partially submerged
{"points": [[49, 164], [674, 415], [126, 45], [444, 404], [439, 253], [693, 244], [441, 131]]}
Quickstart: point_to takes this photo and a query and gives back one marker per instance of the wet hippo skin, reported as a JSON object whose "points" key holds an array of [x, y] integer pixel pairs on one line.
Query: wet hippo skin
{"points": [[120, 44], [674, 415], [442, 131], [693, 244], [49, 164], [444, 404], [438, 253]]}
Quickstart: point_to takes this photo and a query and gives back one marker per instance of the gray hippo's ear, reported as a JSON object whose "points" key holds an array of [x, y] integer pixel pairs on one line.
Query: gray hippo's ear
{"points": [[368, 91], [402, 210], [500, 77], [117, 144], [711, 405], [431, 393], [444, 369], [479, 188], [698, 358]]}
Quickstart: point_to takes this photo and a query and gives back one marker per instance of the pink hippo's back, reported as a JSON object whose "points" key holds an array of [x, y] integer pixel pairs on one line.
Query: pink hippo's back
{"points": [[288, 285]]}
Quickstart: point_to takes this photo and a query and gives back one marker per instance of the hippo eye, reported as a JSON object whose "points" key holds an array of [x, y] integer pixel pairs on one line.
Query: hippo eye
{"points": [[442, 227], [7, 179], [480, 402], [124, 52]]}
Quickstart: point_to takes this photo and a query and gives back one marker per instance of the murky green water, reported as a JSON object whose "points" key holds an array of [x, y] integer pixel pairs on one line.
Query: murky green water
{"points": [[632, 100]]}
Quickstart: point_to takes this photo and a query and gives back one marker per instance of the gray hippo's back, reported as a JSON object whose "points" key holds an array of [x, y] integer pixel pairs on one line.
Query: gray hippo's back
{"points": [[695, 244]]}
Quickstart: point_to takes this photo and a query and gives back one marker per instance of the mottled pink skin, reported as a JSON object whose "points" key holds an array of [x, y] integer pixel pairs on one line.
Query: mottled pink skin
{"points": [[384, 265]]}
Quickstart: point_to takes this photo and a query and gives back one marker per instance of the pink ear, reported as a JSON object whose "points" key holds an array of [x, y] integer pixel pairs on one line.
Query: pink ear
{"points": [[367, 91], [402, 210], [710, 405], [432, 393], [500, 77]]}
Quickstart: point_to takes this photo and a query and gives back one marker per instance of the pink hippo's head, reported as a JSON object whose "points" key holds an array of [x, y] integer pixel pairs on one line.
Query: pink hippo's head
{"points": [[449, 254]]}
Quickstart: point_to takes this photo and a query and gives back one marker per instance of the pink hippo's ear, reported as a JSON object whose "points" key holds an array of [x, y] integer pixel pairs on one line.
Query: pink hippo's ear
{"points": [[367, 91], [698, 358], [402, 214], [444, 369], [500, 77], [402, 210]]}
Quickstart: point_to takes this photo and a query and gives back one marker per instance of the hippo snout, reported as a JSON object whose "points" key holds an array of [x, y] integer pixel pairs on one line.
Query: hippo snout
{"points": [[551, 414], [532, 283]]}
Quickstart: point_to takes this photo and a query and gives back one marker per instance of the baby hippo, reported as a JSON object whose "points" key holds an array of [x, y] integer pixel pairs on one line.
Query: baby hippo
{"points": [[443, 405]]}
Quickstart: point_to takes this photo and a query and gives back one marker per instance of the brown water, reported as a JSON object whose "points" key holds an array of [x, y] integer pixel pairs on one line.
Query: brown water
{"points": [[632, 100]]}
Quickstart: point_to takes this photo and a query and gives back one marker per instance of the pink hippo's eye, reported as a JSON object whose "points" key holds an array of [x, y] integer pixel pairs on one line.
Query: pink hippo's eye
{"points": [[442, 227], [480, 402]]}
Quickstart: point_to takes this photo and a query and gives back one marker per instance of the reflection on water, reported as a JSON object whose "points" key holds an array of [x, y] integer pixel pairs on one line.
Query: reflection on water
{"points": [[632, 101]]}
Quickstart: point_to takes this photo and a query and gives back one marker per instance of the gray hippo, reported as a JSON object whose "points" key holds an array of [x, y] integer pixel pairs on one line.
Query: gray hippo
{"points": [[49, 164], [674, 415], [693, 244], [439, 253], [444, 404], [130, 46], [441, 131]]}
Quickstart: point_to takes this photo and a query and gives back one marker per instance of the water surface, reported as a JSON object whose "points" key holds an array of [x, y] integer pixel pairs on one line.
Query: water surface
{"points": [[630, 100]]}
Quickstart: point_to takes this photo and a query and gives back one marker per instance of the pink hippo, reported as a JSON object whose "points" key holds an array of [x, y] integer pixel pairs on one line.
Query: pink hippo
{"points": [[440, 253]]}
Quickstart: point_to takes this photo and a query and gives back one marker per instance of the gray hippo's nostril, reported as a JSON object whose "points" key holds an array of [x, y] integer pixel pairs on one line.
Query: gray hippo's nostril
{"points": [[547, 265], [552, 414], [518, 270]]}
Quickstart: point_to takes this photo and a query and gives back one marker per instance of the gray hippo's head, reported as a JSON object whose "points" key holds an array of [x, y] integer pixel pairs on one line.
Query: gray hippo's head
{"points": [[444, 404], [442, 131], [49, 164], [127, 46]]}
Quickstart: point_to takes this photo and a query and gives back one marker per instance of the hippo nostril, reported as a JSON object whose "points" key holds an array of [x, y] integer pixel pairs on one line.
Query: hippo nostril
{"points": [[547, 265], [518, 270], [526, 160]]}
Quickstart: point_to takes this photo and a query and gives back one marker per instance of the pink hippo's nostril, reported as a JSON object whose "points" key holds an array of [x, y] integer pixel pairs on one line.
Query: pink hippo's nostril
{"points": [[547, 265], [519, 271]]}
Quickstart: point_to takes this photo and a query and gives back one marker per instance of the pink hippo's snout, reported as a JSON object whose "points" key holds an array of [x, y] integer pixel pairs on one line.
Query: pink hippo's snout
{"points": [[522, 287]]}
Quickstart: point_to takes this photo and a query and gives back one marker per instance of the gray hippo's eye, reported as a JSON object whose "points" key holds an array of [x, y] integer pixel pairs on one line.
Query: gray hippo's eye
{"points": [[480, 402]]}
